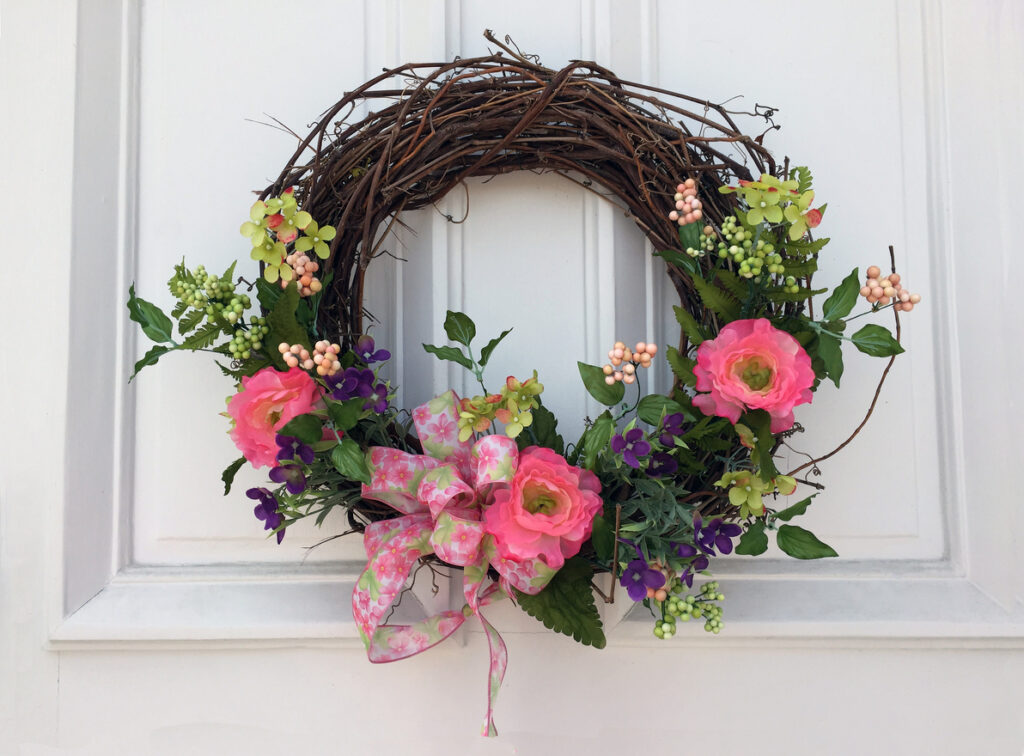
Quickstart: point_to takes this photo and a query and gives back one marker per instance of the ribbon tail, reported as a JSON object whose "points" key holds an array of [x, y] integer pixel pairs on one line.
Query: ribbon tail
{"points": [[498, 652]]}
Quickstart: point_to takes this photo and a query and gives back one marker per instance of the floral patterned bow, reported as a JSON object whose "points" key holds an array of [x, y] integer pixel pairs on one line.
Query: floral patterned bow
{"points": [[442, 495]]}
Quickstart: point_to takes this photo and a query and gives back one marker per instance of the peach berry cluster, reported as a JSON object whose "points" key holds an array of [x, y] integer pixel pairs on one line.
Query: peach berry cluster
{"points": [[687, 205], [628, 361], [324, 357], [884, 290], [304, 269]]}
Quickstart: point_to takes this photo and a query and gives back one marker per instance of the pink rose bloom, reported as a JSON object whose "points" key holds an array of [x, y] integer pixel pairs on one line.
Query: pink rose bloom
{"points": [[752, 365], [267, 401], [547, 510]]}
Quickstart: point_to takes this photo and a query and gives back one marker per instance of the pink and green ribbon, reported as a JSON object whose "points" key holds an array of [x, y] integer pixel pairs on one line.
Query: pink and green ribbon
{"points": [[441, 495]]}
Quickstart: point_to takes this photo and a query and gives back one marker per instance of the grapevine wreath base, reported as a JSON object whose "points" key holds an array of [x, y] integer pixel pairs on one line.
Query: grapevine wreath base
{"points": [[657, 485]]}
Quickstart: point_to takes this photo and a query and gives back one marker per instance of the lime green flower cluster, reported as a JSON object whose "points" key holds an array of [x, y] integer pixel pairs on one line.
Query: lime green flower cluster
{"points": [[685, 608], [276, 223], [513, 407], [209, 293], [748, 489], [773, 200]]}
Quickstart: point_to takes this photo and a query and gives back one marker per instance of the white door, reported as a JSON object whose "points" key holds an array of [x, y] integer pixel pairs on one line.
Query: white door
{"points": [[143, 612]]}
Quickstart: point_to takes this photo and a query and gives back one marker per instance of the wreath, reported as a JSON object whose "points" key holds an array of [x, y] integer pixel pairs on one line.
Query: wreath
{"points": [[658, 484]]}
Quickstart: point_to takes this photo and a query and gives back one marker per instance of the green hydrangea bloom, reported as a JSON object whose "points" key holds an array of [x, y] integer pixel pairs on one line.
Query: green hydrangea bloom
{"points": [[316, 239]]}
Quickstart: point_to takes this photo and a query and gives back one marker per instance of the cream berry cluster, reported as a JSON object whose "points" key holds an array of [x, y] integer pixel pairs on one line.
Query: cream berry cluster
{"points": [[884, 290], [625, 362], [324, 357], [304, 269], [688, 207]]}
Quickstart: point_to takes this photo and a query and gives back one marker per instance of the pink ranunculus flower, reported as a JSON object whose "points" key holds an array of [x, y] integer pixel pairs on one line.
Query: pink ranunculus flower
{"points": [[547, 510], [267, 401], [753, 365]]}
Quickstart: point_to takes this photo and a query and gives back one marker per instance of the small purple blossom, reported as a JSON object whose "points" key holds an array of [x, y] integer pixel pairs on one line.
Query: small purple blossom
{"points": [[353, 382], [671, 428], [266, 510], [378, 399], [631, 445], [662, 463], [291, 448], [291, 476], [701, 562], [716, 534], [638, 577], [365, 349]]}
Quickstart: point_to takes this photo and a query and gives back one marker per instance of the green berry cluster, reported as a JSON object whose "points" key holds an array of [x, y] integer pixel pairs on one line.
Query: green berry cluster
{"points": [[753, 258], [245, 342], [211, 293], [706, 241], [684, 608]]}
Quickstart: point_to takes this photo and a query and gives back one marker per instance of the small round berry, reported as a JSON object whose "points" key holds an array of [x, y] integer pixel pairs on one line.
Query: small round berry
{"points": [[283, 347], [673, 216], [874, 271], [641, 346], [629, 378], [660, 595], [915, 298]]}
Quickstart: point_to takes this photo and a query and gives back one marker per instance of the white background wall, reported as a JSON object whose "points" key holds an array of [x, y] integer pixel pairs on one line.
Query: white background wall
{"points": [[933, 89]]}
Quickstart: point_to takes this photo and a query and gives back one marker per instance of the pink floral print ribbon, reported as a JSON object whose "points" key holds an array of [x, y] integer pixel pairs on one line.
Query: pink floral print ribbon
{"points": [[442, 495]]}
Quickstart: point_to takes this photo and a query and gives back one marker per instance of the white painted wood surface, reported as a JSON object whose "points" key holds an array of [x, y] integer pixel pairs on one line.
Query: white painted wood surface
{"points": [[138, 152]]}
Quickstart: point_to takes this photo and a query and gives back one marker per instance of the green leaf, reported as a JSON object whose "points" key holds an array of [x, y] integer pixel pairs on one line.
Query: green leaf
{"points": [[451, 354], [689, 235], [803, 175], [799, 296], [593, 378], [754, 541], [283, 327], [596, 438], [202, 338], [267, 293], [566, 605], [190, 321], [690, 326], [485, 353], [228, 476], [737, 286], [350, 461], [801, 269], [603, 538], [796, 510], [716, 299], [830, 350], [459, 327], [843, 298], [876, 341], [682, 367], [307, 428], [760, 422], [680, 260], [805, 248], [155, 324], [654, 406], [345, 414], [150, 358], [802, 544], [180, 307], [545, 429]]}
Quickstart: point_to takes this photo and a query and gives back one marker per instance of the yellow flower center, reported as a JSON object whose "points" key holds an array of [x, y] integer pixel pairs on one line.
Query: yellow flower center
{"points": [[753, 373]]}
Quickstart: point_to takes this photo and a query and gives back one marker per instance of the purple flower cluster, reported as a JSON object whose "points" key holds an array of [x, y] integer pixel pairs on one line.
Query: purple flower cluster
{"points": [[716, 534], [631, 445], [266, 510], [290, 448], [365, 349], [671, 428], [358, 383], [639, 576]]}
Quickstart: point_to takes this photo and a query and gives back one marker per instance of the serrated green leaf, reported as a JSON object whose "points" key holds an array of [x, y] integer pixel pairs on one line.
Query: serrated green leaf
{"points": [[451, 354], [283, 327], [737, 286], [800, 296], [230, 272], [802, 268], [485, 353], [803, 175], [596, 439], [228, 476], [190, 321], [603, 538], [691, 328], [795, 510], [155, 324], [345, 414], [566, 605], [179, 308], [350, 461], [876, 341], [830, 350], [806, 248], [267, 293], [754, 541], [459, 327], [843, 298], [545, 429], [718, 300], [150, 358], [680, 260], [655, 406], [682, 367], [307, 428], [802, 544], [593, 379], [202, 338]]}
